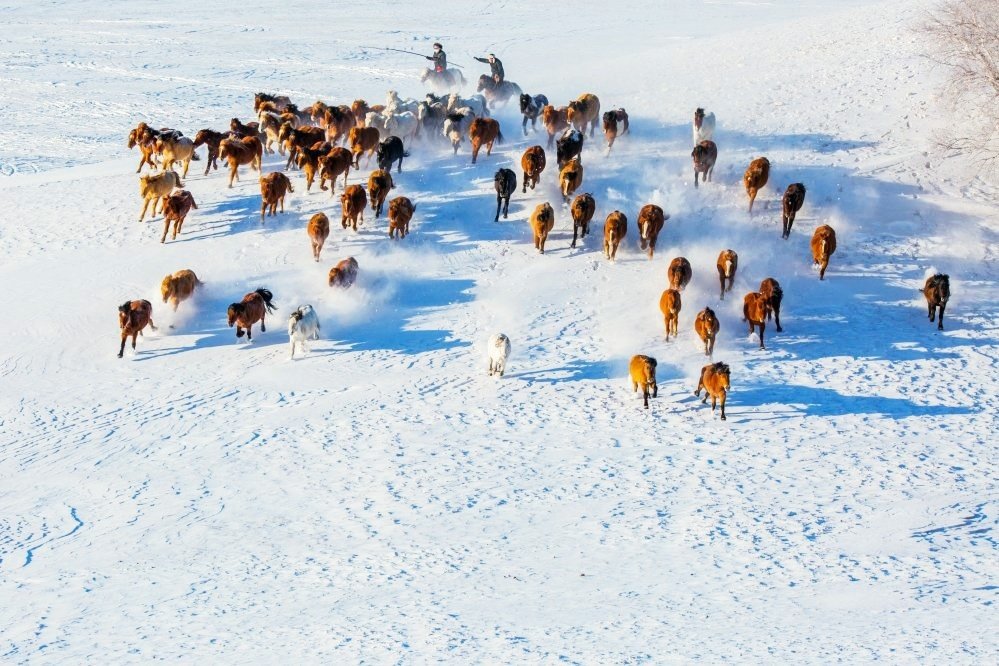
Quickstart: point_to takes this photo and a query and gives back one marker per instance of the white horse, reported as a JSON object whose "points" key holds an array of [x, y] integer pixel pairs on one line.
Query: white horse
{"points": [[303, 325], [704, 126], [477, 103], [499, 350], [403, 124]]}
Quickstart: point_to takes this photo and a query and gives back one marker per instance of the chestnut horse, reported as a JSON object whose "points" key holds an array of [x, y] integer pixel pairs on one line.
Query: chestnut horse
{"points": [[706, 326], [533, 162], [669, 305], [715, 380], [344, 274], [179, 286], [237, 152], [615, 228], [679, 273], [555, 121], [728, 262], [755, 178], [542, 221], [319, 231], [133, 316], [823, 246], [754, 310], [650, 222], [253, 308], [611, 119], [582, 110], [643, 373]]}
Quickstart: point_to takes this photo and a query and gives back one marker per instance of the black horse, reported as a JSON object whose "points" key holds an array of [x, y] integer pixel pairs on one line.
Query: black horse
{"points": [[569, 145], [505, 182], [390, 150], [531, 108]]}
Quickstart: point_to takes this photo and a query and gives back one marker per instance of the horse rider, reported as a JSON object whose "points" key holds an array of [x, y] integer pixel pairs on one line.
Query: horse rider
{"points": [[439, 58], [495, 66]]}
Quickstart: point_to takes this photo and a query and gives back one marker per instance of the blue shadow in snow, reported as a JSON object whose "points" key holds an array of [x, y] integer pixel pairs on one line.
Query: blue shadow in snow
{"points": [[817, 401]]}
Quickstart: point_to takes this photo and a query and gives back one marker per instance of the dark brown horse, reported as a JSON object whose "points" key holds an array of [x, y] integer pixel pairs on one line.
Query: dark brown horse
{"points": [[213, 140], [133, 316], [772, 292], [583, 207], [253, 308], [793, 199], [937, 293], [705, 154]]}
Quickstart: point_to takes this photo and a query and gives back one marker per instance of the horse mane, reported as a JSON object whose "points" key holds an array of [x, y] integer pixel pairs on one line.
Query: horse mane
{"points": [[721, 368], [709, 311], [525, 101], [455, 117], [125, 308]]}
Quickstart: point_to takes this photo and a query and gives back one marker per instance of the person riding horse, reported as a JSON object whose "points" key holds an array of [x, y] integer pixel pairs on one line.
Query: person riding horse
{"points": [[439, 58], [495, 67]]}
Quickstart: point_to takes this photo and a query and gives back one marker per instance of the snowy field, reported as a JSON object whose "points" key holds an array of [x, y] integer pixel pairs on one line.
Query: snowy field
{"points": [[383, 500]]}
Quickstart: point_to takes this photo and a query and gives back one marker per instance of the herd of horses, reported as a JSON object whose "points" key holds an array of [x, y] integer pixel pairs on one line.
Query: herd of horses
{"points": [[329, 141]]}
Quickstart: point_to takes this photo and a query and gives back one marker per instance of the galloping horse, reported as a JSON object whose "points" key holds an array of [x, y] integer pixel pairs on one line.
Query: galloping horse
{"points": [[446, 81], [498, 93]]}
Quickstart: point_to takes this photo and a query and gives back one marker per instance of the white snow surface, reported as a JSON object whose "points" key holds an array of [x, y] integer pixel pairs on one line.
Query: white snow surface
{"points": [[381, 499]]}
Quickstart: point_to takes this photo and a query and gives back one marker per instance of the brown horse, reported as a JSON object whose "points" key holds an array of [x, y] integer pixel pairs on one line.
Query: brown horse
{"points": [[176, 206], [542, 221], [379, 184], [280, 102], [319, 231], [337, 161], [273, 188], [715, 380], [643, 373], [771, 291], [582, 110], [650, 222], [362, 140], [344, 274], [755, 178], [794, 198], [937, 293], [679, 273], [615, 229], [706, 326], [339, 120], [400, 212], [308, 161], [611, 119], [533, 162], [237, 152], [253, 308], [570, 178], [823, 246], [555, 121], [133, 316], [297, 138], [143, 137], [705, 154], [179, 286], [754, 310], [483, 132], [212, 139], [727, 264], [669, 305], [583, 207], [154, 188], [352, 203], [247, 129]]}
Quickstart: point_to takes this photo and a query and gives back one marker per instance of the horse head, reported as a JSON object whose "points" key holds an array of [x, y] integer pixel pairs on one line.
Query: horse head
{"points": [[698, 117], [235, 311]]}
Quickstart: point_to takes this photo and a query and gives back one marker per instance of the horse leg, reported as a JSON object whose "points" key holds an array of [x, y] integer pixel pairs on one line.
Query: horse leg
{"points": [[645, 395], [714, 402], [575, 233], [499, 200], [263, 210], [232, 174], [762, 328], [822, 269], [134, 336], [777, 319], [144, 207], [523, 125], [524, 190], [263, 325], [723, 396], [187, 165], [940, 319], [932, 310], [695, 178], [721, 277], [166, 227], [121, 351], [506, 207]]}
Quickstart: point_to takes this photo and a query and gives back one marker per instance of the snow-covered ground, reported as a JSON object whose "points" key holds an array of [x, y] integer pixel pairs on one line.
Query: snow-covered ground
{"points": [[382, 499]]}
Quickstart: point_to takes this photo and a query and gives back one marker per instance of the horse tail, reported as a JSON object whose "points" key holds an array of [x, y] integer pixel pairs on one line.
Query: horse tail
{"points": [[267, 296], [499, 137]]}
